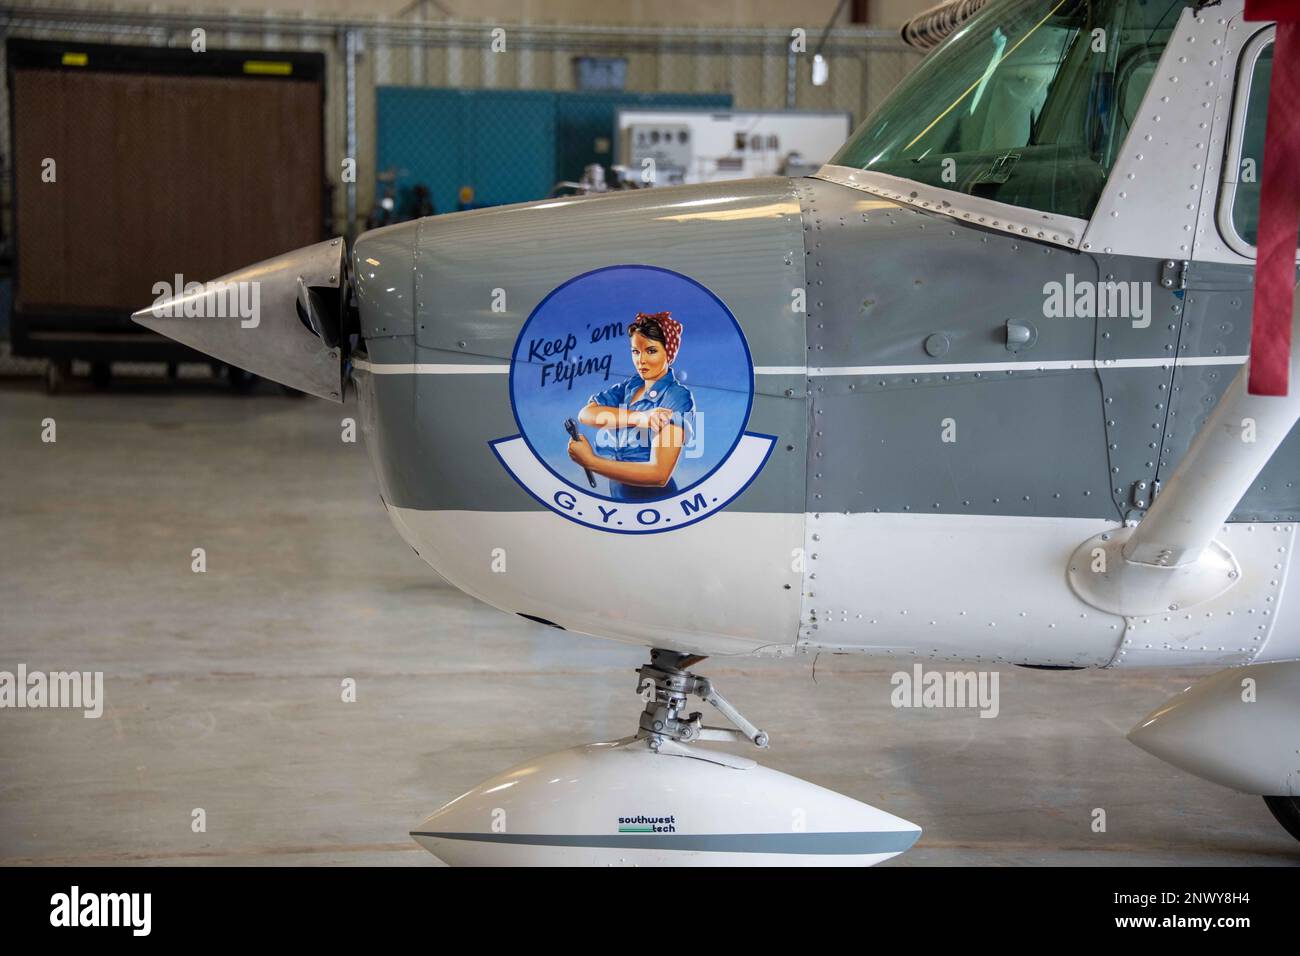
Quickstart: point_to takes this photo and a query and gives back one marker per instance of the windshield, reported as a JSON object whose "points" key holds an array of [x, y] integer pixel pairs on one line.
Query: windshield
{"points": [[1027, 104]]}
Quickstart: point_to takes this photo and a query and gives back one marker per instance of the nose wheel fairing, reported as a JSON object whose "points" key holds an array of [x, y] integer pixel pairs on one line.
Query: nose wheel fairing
{"points": [[1239, 728], [620, 803]]}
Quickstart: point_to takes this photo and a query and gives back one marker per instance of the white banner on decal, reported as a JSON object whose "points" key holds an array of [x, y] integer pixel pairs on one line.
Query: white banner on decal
{"points": [[637, 517]]}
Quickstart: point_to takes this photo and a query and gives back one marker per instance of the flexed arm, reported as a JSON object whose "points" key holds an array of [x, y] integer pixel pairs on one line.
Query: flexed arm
{"points": [[607, 416], [655, 473]]}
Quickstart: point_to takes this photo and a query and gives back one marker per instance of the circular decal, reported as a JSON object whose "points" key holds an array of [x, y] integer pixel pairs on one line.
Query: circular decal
{"points": [[632, 386]]}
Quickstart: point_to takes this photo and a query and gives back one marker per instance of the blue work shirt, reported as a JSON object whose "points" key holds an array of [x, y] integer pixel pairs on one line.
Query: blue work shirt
{"points": [[634, 444]]}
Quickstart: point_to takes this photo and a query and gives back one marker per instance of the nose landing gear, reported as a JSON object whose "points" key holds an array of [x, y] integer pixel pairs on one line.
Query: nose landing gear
{"points": [[656, 799], [667, 686]]}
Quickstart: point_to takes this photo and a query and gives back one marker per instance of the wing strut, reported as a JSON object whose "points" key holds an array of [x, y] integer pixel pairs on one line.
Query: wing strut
{"points": [[1171, 560]]}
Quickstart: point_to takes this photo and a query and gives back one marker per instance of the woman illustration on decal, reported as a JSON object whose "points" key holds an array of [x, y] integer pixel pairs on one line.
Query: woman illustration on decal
{"points": [[650, 416]]}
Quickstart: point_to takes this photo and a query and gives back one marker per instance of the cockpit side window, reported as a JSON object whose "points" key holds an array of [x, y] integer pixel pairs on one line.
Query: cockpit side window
{"points": [[1240, 195], [1027, 104]]}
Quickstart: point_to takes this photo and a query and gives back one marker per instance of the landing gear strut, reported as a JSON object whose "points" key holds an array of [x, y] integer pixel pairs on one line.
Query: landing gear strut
{"points": [[666, 687]]}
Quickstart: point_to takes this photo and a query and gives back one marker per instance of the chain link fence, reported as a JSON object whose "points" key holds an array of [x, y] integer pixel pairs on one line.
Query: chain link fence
{"points": [[756, 68]]}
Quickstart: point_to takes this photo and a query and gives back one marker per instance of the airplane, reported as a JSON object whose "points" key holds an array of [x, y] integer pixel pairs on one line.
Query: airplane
{"points": [[976, 391]]}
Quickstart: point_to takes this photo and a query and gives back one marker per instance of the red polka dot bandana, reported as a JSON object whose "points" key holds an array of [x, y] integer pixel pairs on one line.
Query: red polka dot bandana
{"points": [[672, 331]]}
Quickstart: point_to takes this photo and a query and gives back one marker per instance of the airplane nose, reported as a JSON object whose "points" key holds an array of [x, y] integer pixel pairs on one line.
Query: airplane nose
{"points": [[283, 318]]}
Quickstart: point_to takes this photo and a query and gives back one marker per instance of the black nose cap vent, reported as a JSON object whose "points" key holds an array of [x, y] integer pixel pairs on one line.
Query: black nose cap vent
{"points": [[320, 309]]}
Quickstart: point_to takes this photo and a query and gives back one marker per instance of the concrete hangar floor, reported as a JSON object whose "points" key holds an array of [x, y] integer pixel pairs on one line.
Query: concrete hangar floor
{"points": [[222, 690]]}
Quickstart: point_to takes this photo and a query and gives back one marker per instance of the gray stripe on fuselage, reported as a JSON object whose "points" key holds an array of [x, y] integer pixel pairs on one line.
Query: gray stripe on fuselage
{"points": [[434, 431], [895, 285], [814, 844]]}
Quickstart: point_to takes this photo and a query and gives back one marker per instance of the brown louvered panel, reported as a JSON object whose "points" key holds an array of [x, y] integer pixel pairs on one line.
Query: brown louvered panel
{"points": [[157, 175]]}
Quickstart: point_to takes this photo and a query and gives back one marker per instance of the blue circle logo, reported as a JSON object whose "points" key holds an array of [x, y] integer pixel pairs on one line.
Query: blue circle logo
{"points": [[631, 383]]}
